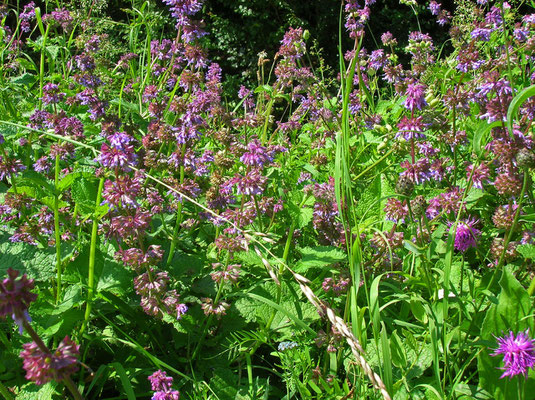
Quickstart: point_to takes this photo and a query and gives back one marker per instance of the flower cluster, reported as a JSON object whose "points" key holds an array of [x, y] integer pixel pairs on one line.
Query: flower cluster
{"points": [[161, 386]]}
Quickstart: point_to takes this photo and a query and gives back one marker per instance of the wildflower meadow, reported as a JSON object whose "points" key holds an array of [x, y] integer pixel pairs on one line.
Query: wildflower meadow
{"points": [[362, 231]]}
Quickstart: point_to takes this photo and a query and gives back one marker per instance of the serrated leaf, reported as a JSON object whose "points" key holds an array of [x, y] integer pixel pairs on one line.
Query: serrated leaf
{"points": [[369, 203], [39, 264], [224, 384], [31, 391], [527, 251], [25, 79], [318, 257]]}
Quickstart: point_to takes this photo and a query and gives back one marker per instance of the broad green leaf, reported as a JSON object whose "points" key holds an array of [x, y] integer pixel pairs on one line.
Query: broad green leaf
{"points": [[39, 264], [318, 257], [25, 79], [527, 251], [31, 391]]}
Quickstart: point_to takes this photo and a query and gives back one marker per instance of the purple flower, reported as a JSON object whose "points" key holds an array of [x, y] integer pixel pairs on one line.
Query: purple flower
{"points": [[434, 7], [466, 235], [518, 353], [16, 297], [292, 45], [256, 155], [415, 96], [411, 128], [27, 14], [113, 157], [388, 39], [482, 34], [51, 94], [161, 385], [42, 367]]}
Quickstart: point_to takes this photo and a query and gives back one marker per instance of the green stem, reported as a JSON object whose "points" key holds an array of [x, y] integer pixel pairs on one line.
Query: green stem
{"points": [[174, 240], [72, 388], [209, 320], [42, 67], [92, 258], [57, 234]]}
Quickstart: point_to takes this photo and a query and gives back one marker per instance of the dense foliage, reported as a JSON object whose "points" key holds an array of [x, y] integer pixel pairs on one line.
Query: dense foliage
{"points": [[365, 233]]}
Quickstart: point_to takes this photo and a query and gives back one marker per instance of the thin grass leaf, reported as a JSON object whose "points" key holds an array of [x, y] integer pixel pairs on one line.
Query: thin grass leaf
{"points": [[125, 380]]}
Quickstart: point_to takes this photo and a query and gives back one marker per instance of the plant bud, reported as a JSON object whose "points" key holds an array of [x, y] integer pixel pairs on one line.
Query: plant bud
{"points": [[418, 205], [405, 186], [525, 158]]}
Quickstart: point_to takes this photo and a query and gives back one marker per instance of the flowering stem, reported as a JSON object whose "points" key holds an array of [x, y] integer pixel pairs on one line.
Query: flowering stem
{"points": [[72, 388], [515, 222], [92, 257], [57, 234], [210, 317], [174, 240]]}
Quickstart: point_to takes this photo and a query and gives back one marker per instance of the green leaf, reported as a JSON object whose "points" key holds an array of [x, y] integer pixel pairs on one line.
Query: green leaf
{"points": [[224, 384], [84, 193], [512, 313], [26, 79], [31, 391], [527, 251], [515, 105], [318, 257], [39, 264], [481, 134], [369, 203], [125, 380]]}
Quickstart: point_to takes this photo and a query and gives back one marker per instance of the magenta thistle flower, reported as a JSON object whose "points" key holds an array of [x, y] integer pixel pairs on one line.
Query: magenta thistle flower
{"points": [[42, 367], [16, 296], [466, 235], [518, 353]]}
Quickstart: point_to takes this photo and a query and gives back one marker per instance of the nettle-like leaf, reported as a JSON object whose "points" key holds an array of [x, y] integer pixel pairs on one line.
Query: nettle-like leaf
{"points": [[512, 313], [59, 320], [31, 391], [527, 251], [292, 311], [110, 275], [84, 193], [319, 257], [38, 263]]}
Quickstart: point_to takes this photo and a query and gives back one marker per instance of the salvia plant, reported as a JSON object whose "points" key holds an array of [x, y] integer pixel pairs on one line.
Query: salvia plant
{"points": [[361, 234]]}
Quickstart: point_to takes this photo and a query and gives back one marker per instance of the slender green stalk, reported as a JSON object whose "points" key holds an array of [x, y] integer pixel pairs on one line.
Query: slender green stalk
{"points": [[57, 234], [42, 66], [92, 258], [209, 320], [174, 240]]}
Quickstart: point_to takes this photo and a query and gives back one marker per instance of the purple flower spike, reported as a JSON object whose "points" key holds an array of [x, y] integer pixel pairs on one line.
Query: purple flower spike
{"points": [[42, 367], [16, 296], [518, 353], [415, 96], [161, 385]]}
